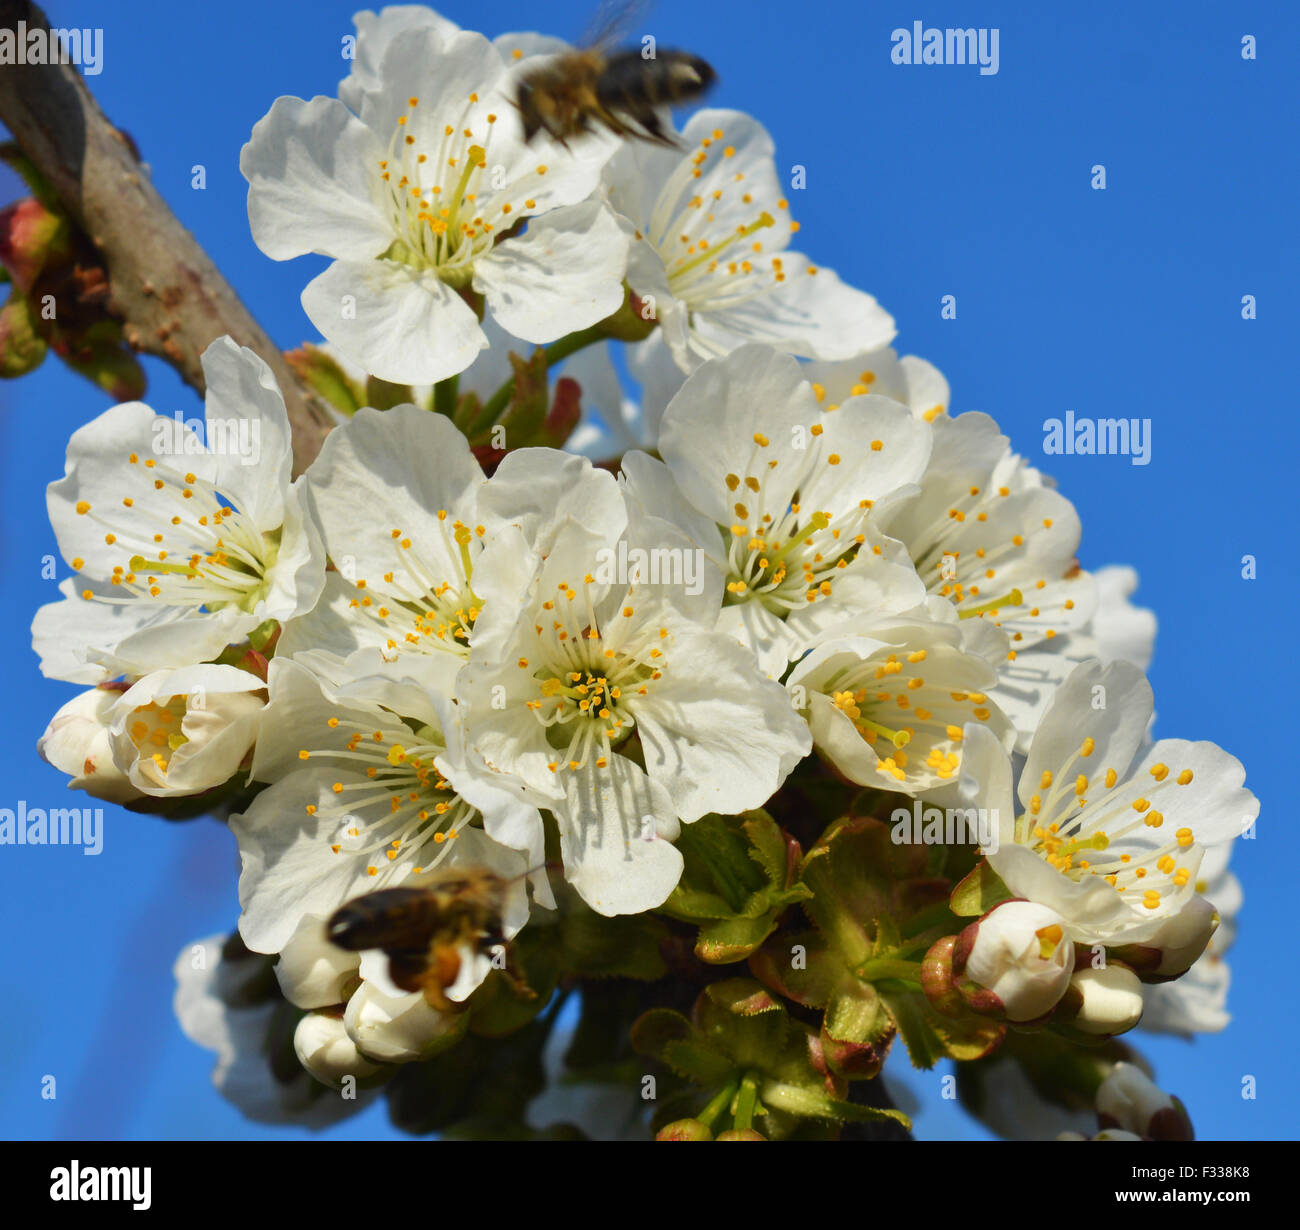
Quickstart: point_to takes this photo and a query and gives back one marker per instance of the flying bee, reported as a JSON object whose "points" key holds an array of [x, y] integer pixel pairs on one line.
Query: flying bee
{"points": [[422, 929], [582, 89]]}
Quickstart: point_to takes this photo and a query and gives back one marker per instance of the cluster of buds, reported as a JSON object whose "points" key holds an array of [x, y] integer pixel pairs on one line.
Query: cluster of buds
{"points": [[59, 296], [1019, 964]]}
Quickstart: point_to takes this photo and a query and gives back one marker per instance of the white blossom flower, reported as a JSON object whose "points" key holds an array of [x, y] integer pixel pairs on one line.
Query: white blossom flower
{"points": [[76, 742], [986, 534], [606, 691], [1112, 845], [779, 496], [181, 548], [405, 511], [711, 228], [887, 706], [417, 197], [182, 731], [371, 788], [1020, 952]]}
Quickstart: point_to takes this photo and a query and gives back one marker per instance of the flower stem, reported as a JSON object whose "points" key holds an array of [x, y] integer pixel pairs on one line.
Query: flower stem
{"points": [[718, 1103], [556, 352], [445, 393], [744, 1117], [876, 968]]}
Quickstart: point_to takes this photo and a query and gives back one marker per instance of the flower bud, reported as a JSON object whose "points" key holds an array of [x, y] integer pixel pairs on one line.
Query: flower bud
{"points": [[684, 1129], [329, 379], [313, 973], [22, 346], [77, 743], [182, 731], [740, 1134], [398, 1029], [1018, 952], [1129, 1101], [32, 238], [1103, 1002], [323, 1047]]}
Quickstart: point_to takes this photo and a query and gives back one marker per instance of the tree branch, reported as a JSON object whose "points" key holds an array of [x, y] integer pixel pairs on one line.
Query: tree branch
{"points": [[165, 289]]}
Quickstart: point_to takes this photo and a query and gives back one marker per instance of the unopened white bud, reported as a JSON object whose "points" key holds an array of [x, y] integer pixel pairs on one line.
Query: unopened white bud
{"points": [[313, 973], [396, 1029], [1129, 1101], [1111, 999], [1022, 954], [323, 1047], [77, 743]]}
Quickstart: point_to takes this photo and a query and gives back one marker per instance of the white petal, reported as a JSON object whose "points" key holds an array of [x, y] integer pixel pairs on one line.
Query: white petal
{"points": [[1115, 718], [563, 274], [721, 738], [398, 323], [243, 405], [616, 832], [311, 169]]}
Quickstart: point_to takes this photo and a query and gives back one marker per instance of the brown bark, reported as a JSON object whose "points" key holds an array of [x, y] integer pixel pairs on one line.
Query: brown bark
{"points": [[165, 289]]}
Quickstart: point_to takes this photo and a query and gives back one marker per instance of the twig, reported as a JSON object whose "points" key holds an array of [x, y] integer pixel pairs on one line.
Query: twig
{"points": [[166, 290]]}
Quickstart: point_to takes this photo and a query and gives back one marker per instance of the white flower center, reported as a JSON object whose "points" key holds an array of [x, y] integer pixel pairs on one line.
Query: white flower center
{"points": [[208, 555], [969, 579], [403, 813], [786, 557], [891, 704], [426, 611], [155, 730], [589, 679], [1081, 839], [707, 258], [444, 203]]}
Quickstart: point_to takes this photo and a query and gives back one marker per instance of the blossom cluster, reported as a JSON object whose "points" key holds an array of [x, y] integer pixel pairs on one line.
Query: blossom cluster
{"points": [[453, 638]]}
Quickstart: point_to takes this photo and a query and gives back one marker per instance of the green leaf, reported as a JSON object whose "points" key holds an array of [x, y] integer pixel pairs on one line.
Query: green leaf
{"points": [[979, 892], [930, 1035], [814, 1103], [732, 939], [698, 1062], [857, 1014], [768, 847]]}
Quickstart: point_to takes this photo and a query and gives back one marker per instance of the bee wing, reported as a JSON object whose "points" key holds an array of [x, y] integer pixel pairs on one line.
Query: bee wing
{"points": [[612, 21]]}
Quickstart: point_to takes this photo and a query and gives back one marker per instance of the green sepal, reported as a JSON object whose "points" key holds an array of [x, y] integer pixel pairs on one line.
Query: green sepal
{"points": [[384, 394], [979, 892], [323, 374], [525, 412]]}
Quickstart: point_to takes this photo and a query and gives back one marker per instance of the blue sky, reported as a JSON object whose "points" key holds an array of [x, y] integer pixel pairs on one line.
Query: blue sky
{"points": [[922, 181]]}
